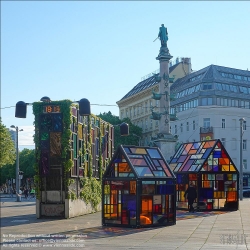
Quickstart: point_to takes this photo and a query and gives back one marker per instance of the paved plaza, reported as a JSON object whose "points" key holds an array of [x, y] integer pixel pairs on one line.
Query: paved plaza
{"points": [[20, 229]]}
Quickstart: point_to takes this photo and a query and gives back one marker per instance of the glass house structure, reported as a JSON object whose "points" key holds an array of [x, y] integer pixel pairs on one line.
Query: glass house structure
{"points": [[209, 167], [138, 189]]}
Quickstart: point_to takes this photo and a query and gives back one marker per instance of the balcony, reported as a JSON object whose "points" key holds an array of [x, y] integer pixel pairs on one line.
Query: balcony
{"points": [[206, 130]]}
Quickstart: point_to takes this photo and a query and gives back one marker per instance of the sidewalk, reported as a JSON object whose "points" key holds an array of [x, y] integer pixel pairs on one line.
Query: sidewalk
{"points": [[230, 230]]}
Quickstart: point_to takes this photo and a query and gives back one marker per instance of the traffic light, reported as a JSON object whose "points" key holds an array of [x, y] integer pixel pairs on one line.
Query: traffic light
{"points": [[21, 109]]}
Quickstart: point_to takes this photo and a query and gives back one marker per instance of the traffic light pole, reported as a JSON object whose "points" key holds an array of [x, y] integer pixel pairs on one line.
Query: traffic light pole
{"points": [[18, 197]]}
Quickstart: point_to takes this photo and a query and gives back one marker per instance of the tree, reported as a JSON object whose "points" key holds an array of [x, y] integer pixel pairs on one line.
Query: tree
{"points": [[131, 139], [7, 147], [27, 162]]}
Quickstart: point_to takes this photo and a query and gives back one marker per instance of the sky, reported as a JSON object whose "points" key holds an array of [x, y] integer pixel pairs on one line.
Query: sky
{"points": [[100, 50]]}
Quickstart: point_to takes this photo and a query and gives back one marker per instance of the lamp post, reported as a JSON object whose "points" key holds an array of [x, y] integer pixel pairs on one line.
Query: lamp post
{"points": [[18, 198], [139, 143], [241, 161]]}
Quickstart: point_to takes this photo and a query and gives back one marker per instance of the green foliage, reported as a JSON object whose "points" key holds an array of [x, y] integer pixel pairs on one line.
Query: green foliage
{"points": [[122, 140], [71, 195], [65, 110], [91, 191], [7, 147], [27, 162]]}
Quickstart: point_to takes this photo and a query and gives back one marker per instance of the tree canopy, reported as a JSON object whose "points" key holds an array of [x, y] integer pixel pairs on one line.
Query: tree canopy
{"points": [[7, 146], [26, 164], [135, 132]]}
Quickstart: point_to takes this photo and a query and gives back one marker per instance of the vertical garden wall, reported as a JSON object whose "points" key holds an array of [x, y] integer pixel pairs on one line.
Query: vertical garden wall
{"points": [[72, 152]]}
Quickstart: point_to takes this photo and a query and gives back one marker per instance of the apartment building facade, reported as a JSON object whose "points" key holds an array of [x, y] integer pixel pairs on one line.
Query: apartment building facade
{"points": [[208, 103]]}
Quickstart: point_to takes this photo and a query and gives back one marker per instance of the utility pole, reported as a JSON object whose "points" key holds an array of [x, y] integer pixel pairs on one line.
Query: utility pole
{"points": [[241, 161], [18, 197]]}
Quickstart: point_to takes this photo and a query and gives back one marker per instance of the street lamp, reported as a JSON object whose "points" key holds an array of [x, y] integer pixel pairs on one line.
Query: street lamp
{"points": [[18, 198], [139, 143], [241, 161]]}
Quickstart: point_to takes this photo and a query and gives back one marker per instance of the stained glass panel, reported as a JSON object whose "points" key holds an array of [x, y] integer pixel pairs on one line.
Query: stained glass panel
{"points": [[55, 144], [139, 162], [154, 153], [57, 122], [143, 171]]}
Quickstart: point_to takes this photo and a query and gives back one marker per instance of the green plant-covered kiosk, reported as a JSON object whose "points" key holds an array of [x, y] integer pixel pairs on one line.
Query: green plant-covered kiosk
{"points": [[138, 189], [209, 167]]}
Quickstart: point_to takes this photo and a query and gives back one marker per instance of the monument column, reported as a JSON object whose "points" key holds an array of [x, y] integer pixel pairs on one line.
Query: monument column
{"points": [[165, 140]]}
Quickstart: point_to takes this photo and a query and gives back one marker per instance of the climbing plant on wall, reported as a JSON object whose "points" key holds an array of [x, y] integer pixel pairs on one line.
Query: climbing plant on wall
{"points": [[90, 186]]}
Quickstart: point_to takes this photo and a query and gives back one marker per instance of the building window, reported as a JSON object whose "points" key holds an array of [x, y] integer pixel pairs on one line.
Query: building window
{"points": [[207, 86], [244, 164], [206, 122], [175, 129], [206, 101], [130, 112], [170, 130], [146, 123], [244, 145], [223, 141], [223, 123], [181, 127], [126, 113], [187, 126], [218, 101], [134, 111], [193, 125], [146, 107], [151, 123], [157, 103], [244, 125]]}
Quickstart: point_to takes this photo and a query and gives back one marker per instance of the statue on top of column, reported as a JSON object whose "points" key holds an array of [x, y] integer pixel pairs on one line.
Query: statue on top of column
{"points": [[163, 35]]}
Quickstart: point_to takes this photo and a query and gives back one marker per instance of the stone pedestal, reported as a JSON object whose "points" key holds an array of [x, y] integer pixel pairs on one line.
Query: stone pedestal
{"points": [[167, 145]]}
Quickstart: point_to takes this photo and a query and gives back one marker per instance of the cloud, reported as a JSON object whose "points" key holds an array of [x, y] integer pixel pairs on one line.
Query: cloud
{"points": [[25, 137]]}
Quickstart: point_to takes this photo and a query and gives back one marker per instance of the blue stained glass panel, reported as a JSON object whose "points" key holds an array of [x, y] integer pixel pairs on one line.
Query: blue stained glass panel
{"points": [[174, 160], [217, 154], [143, 171], [127, 150], [154, 153], [57, 122], [196, 145], [177, 167], [205, 155], [215, 168], [165, 189], [193, 168], [159, 173], [206, 193], [156, 162]]}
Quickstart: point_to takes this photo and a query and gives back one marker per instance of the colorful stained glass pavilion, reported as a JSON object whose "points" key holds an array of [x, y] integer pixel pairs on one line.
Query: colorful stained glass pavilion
{"points": [[209, 167], [138, 189]]}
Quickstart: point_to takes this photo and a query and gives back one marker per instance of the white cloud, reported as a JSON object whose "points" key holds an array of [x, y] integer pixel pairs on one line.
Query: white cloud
{"points": [[25, 137]]}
